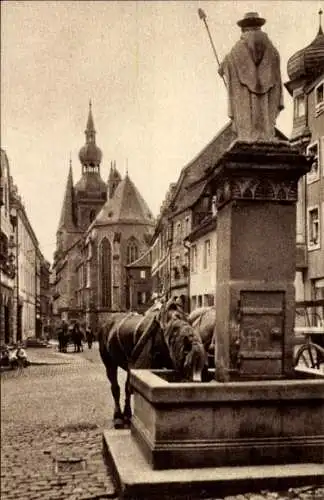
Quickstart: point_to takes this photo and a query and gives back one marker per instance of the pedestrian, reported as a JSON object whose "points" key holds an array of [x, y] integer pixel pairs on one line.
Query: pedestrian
{"points": [[77, 337], [89, 337], [62, 336]]}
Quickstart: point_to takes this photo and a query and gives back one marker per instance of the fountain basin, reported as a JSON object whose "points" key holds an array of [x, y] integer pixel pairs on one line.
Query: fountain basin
{"points": [[193, 425]]}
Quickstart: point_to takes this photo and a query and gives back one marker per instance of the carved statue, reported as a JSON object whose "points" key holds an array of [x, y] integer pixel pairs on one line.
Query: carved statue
{"points": [[252, 74]]}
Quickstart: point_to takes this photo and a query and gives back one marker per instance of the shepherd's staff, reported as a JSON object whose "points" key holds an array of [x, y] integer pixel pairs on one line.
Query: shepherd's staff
{"points": [[203, 16]]}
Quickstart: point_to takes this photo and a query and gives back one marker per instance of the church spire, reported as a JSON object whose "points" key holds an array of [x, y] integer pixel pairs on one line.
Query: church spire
{"points": [[90, 132], [320, 29], [67, 219], [90, 155]]}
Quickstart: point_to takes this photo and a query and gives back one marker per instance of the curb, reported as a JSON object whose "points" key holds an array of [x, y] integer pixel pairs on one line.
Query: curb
{"points": [[48, 363]]}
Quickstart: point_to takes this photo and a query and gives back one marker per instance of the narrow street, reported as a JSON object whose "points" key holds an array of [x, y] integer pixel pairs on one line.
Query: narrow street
{"points": [[51, 428], [52, 418]]}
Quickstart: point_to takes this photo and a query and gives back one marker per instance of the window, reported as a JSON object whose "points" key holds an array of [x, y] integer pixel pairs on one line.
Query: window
{"points": [[132, 251], [299, 106], [322, 154], [313, 151], [187, 226], [313, 228], [208, 300], [319, 98], [92, 215], [142, 274], [206, 253], [141, 298], [194, 258], [214, 206], [105, 272], [178, 232]]}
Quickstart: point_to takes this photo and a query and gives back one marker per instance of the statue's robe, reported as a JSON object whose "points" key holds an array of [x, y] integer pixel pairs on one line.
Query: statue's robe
{"points": [[252, 73]]}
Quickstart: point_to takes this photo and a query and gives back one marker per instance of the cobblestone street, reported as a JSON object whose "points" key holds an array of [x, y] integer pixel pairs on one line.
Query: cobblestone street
{"points": [[52, 420]]}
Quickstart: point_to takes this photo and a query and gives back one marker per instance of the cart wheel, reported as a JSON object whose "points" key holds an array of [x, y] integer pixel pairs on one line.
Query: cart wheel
{"points": [[310, 356]]}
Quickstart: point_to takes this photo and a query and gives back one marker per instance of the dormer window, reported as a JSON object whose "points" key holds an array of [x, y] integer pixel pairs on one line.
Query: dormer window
{"points": [[299, 106], [313, 151], [319, 98]]}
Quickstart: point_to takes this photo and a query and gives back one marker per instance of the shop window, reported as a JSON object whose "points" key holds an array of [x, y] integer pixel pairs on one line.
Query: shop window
{"points": [[313, 151], [142, 274], [313, 228]]}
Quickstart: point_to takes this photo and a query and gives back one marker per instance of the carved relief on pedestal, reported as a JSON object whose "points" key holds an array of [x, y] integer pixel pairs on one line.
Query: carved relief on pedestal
{"points": [[256, 189]]}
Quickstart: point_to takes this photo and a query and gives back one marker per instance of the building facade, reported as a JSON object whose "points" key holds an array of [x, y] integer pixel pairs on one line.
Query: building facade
{"points": [[203, 263], [119, 235], [21, 262], [27, 277], [306, 86], [103, 227], [7, 256]]}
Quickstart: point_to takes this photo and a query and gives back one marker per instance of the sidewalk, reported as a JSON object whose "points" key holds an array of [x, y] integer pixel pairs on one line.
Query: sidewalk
{"points": [[49, 356]]}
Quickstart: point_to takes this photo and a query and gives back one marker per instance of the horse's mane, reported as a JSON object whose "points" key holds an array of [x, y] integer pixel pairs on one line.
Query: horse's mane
{"points": [[182, 340]]}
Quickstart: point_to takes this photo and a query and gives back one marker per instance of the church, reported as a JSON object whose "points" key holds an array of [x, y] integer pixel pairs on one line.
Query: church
{"points": [[104, 228]]}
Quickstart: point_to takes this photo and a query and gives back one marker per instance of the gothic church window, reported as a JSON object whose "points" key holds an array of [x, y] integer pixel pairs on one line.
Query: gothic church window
{"points": [[132, 251], [105, 273]]}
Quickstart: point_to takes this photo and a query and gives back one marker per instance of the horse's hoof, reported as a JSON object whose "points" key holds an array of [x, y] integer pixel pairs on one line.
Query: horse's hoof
{"points": [[127, 422], [118, 423]]}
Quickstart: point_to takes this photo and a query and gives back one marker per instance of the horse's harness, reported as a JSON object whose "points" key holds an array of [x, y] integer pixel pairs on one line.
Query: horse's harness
{"points": [[130, 358]]}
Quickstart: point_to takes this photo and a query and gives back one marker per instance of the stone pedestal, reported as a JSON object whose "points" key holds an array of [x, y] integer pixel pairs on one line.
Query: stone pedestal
{"points": [[256, 195], [214, 439], [190, 425]]}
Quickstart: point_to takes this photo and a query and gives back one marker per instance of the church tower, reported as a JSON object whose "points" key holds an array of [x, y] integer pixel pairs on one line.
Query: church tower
{"points": [[113, 180], [90, 190], [67, 227]]}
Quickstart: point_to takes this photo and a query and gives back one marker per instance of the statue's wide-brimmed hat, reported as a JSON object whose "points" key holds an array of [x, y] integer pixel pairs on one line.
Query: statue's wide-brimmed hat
{"points": [[251, 19]]}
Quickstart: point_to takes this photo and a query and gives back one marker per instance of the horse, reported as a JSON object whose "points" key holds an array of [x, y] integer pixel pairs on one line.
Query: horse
{"points": [[203, 321], [157, 340]]}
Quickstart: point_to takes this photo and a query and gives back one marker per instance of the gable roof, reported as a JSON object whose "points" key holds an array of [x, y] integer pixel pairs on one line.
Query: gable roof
{"points": [[126, 206], [192, 180]]}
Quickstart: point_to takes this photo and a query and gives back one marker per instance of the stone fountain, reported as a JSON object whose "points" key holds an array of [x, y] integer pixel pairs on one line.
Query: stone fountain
{"points": [[258, 424]]}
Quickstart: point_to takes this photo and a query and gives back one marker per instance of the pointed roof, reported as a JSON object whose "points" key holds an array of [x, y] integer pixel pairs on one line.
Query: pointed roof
{"points": [[90, 123], [114, 173], [90, 154], [127, 206], [67, 219], [308, 62]]}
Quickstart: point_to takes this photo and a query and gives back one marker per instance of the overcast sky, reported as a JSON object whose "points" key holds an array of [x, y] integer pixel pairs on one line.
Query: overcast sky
{"points": [[149, 70]]}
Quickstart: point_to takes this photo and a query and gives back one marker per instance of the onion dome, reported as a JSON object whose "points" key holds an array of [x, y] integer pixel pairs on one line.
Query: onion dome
{"points": [[90, 154], [91, 183], [308, 62]]}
